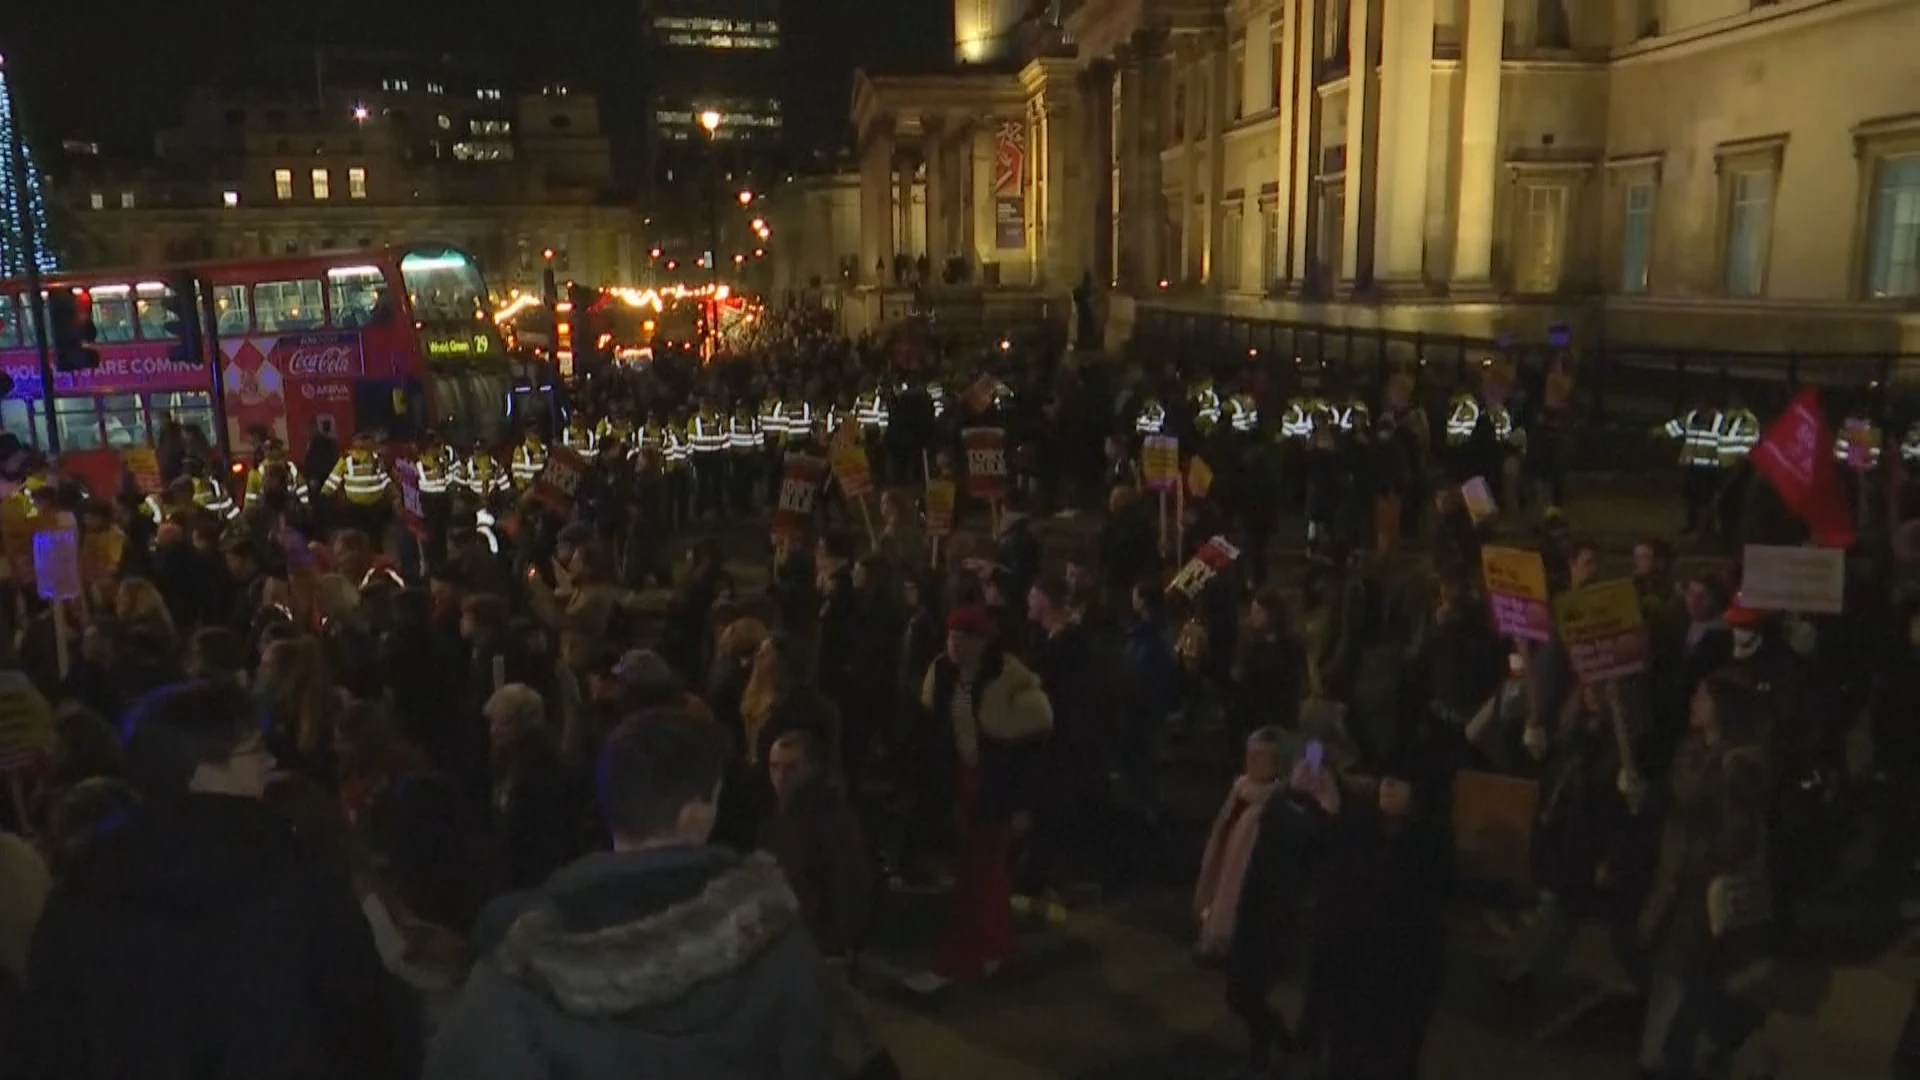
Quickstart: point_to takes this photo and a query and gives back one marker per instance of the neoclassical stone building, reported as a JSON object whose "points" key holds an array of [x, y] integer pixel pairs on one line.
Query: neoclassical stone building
{"points": [[1738, 175]]}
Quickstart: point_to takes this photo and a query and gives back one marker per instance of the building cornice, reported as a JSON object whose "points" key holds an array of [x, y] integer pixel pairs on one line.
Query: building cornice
{"points": [[1788, 16]]}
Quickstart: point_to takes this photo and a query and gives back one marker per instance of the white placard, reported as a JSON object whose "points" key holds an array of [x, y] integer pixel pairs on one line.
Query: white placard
{"points": [[1807, 580]]}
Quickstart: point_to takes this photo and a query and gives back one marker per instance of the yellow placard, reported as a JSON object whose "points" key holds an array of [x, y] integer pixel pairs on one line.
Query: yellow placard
{"points": [[940, 495], [1199, 478], [851, 469], [1600, 611], [1515, 573], [100, 554], [1603, 630], [1160, 462], [144, 464]]}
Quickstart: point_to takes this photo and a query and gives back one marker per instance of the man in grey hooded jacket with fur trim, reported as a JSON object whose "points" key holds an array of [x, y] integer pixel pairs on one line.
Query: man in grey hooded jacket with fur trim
{"points": [[664, 959]]}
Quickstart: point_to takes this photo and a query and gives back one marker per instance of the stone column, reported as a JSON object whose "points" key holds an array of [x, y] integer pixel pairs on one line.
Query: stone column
{"points": [[1191, 66], [1363, 134], [939, 240], [1129, 256], [980, 165], [876, 203], [1065, 194], [900, 199], [1304, 188], [1479, 143], [1290, 101], [1406, 126], [966, 233], [1146, 211], [1096, 90], [1217, 69]]}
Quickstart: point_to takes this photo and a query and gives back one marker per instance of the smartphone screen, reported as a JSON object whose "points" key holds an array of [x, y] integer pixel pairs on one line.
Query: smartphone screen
{"points": [[1316, 753]]}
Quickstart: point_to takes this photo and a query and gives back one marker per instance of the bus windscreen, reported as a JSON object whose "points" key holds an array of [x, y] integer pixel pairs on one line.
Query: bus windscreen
{"points": [[445, 287]]}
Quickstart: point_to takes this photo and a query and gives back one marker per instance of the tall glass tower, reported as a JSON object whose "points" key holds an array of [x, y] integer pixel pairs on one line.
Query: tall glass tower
{"points": [[19, 210]]}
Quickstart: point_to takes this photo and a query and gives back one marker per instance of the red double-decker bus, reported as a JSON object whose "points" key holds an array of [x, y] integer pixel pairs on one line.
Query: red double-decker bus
{"points": [[393, 341]]}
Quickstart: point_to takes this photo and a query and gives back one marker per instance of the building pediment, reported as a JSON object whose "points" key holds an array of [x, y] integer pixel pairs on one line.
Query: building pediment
{"points": [[907, 100]]}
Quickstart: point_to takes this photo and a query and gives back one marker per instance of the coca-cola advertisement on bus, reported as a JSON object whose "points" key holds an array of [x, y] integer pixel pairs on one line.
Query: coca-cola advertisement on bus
{"points": [[298, 381]]}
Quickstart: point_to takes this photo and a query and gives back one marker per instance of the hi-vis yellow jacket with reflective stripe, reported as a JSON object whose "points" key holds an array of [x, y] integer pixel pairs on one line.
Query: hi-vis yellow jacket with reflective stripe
{"points": [[213, 497], [1463, 415], [580, 438], [1698, 433], [871, 410], [435, 466], [772, 420], [708, 433], [529, 458], [360, 477], [743, 432], [257, 483], [479, 475]]}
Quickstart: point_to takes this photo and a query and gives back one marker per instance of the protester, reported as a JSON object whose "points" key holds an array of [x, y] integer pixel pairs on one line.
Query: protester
{"points": [[203, 886], [662, 958]]}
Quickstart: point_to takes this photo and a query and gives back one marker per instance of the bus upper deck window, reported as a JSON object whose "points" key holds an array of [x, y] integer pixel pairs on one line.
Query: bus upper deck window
{"points": [[230, 308], [288, 305], [149, 302], [113, 314], [359, 296]]}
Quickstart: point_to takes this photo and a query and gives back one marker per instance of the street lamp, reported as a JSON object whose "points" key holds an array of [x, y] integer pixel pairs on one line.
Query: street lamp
{"points": [[710, 121]]}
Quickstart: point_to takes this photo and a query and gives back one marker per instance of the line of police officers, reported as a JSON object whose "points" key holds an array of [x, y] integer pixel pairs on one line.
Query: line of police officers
{"points": [[1714, 446]]}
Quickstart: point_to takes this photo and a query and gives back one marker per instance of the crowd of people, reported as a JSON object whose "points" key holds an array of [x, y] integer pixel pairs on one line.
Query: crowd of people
{"points": [[310, 785]]}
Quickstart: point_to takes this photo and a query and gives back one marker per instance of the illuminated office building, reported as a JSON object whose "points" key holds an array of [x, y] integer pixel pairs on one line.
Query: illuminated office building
{"points": [[721, 57]]}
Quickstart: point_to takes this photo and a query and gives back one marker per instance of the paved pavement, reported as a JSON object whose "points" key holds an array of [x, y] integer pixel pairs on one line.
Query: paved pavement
{"points": [[1113, 992], [1116, 995]]}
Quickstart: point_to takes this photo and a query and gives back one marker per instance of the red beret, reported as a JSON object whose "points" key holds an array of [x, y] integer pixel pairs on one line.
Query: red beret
{"points": [[971, 619], [1741, 617]]}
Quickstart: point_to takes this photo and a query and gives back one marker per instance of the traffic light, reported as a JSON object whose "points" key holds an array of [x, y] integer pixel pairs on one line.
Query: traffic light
{"points": [[183, 320], [70, 328], [586, 332]]}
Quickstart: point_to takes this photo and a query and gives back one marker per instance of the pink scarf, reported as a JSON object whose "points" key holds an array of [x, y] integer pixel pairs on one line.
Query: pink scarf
{"points": [[1216, 896]]}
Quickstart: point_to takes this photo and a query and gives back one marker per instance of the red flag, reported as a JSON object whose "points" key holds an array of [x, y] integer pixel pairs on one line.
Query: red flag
{"points": [[1796, 457]]}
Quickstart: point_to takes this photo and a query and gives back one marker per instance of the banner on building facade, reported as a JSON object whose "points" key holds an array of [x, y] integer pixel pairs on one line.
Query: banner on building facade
{"points": [[1010, 186]]}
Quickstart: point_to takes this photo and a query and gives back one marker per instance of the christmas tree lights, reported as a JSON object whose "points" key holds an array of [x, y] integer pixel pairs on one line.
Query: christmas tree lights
{"points": [[17, 214]]}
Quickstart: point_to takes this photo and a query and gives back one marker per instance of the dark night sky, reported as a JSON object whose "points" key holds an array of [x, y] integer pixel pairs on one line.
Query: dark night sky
{"points": [[116, 77]]}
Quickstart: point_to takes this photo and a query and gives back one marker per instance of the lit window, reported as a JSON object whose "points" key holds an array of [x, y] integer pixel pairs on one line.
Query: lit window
{"points": [[1748, 220], [126, 200], [1894, 244], [322, 184], [1636, 239], [283, 183], [229, 199], [97, 201], [287, 305], [356, 183]]}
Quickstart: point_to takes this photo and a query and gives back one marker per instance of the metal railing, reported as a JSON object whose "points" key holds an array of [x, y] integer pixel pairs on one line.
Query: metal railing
{"points": [[1619, 388]]}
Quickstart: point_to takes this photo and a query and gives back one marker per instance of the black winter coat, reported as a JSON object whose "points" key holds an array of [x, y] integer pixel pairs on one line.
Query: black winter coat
{"points": [[201, 942]]}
